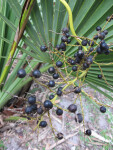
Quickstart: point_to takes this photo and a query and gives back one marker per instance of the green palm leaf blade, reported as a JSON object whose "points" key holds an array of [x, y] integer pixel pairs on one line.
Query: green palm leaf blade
{"points": [[47, 15], [6, 34]]}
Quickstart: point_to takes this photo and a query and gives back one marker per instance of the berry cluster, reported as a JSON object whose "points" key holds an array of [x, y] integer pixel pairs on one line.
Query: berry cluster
{"points": [[80, 62]]}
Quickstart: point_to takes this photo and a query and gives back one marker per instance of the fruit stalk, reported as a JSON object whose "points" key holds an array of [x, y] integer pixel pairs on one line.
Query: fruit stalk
{"points": [[71, 83], [71, 22]]}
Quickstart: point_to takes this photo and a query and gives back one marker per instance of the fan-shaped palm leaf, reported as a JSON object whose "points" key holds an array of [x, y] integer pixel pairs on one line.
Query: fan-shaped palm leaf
{"points": [[48, 18]]}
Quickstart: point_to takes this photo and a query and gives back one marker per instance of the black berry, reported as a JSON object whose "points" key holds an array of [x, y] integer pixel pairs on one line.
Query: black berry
{"points": [[95, 37], [34, 107], [80, 47], [67, 35], [101, 35], [58, 47], [80, 53], [55, 75], [32, 100], [63, 46], [108, 19], [88, 132], [106, 32], [68, 41], [77, 43], [79, 117], [89, 60], [91, 49], [98, 28], [91, 43], [74, 68], [64, 39], [84, 42], [43, 48], [40, 110], [77, 60], [51, 70], [65, 30], [104, 46], [59, 92], [107, 52], [75, 55], [60, 88], [48, 104], [59, 64], [36, 73], [102, 109], [43, 124], [100, 76], [85, 66], [60, 136], [59, 111], [72, 62], [51, 97], [72, 108], [51, 83], [21, 73], [98, 50], [77, 90], [28, 110]]}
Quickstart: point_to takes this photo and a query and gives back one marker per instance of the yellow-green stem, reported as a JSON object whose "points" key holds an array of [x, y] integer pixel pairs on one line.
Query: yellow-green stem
{"points": [[71, 21], [70, 83]]}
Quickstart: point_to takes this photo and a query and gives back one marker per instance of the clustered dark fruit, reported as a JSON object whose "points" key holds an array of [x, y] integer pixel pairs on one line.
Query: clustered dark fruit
{"points": [[103, 47], [32, 105], [64, 39], [81, 59]]}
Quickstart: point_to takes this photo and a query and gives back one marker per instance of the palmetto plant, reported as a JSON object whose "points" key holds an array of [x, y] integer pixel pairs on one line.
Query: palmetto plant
{"points": [[44, 26]]}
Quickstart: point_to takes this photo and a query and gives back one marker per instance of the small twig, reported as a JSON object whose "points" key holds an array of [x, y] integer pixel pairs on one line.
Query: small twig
{"points": [[61, 141]]}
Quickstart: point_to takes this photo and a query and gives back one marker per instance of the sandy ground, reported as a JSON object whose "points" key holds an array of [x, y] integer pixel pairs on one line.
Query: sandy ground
{"points": [[20, 135]]}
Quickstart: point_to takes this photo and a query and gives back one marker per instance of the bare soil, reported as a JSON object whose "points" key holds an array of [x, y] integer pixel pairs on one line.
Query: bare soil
{"points": [[21, 136]]}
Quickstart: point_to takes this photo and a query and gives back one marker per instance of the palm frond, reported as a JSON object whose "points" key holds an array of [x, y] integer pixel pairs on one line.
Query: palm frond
{"points": [[46, 20]]}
